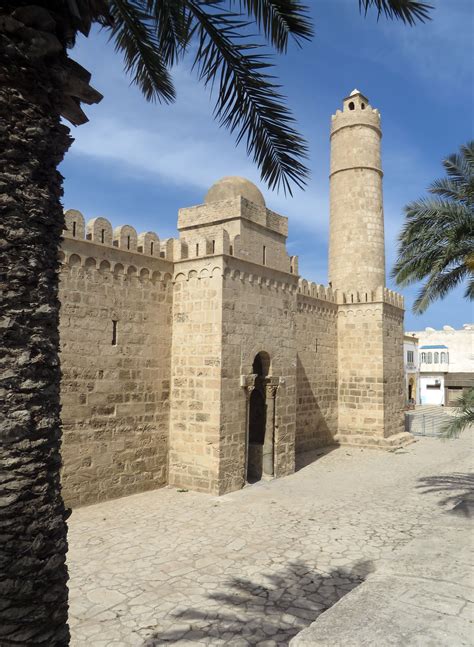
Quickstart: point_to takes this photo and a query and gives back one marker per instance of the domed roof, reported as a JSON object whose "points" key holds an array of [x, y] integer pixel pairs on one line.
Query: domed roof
{"points": [[231, 187]]}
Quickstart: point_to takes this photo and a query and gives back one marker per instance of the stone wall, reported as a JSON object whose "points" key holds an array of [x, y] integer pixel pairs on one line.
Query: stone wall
{"points": [[393, 368], [360, 371], [259, 306], [248, 228], [115, 386], [316, 372], [196, 376], [370, 368]]}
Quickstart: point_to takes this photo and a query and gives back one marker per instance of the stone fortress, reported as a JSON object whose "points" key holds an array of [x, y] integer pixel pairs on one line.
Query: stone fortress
{"points": [[206, 362]]}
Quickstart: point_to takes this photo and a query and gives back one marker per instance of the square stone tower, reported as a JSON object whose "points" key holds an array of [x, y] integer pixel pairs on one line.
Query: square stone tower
{"points": [[370, 317], [235, 292]]}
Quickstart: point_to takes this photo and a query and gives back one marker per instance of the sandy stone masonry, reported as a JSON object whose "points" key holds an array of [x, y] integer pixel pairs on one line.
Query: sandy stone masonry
{"points": [[206, 362]]}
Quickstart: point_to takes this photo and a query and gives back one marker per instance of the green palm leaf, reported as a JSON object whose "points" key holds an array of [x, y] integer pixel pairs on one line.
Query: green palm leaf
{"points": [[136, 37], [436, 244], [464, 416], [248, 101], [408, 11]]}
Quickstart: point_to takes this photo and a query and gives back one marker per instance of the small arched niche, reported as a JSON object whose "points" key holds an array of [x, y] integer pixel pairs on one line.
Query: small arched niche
{"points": [[261, 364]]}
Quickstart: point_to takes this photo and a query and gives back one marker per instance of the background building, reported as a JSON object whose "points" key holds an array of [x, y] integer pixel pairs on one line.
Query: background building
{"points": [[412, 369], [446, 363]]}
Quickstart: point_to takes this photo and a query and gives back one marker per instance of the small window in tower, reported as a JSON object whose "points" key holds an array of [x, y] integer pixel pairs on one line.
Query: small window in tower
{"points": [[102, 236], [351, 105], [74, 229], [197, 249], [128, 242], [213, 246], [114, 332], [362, 105], [151, 248], [231, 250], [264, 255]]}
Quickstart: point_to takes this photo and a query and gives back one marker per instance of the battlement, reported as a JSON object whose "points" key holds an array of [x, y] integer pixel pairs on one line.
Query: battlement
{"points": [[380, 295], [212, 213], [356, 111], [316, 291], [99, 232]]}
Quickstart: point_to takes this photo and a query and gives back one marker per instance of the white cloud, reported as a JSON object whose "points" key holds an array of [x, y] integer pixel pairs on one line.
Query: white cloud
{"points": [[440, 51]]}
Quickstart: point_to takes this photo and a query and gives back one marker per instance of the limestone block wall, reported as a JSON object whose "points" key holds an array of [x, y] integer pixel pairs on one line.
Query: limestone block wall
{"points": [[196, 375], [259, 307], [115, 376], [316, 373], [394, 395], [356, 245], [370, 367], [360, 373], [254, 232]]}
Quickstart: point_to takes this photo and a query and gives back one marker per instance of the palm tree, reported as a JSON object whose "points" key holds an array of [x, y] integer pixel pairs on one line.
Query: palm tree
{"points": [[41, 84], [437, 241], [464, 417]]}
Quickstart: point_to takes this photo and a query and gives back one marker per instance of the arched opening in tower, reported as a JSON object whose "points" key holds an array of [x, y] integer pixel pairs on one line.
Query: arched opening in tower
{"points": [[257, 418]]}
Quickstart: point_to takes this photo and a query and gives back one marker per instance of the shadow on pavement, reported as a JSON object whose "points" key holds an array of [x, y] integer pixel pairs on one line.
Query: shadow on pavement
{"points": [[458, 489], [247, 613]]}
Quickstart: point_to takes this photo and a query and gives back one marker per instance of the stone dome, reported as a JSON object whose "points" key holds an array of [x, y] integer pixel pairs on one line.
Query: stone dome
{"points": [[231, 187]]}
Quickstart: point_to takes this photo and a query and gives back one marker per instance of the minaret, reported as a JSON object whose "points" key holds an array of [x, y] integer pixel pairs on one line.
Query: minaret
{"points": [[356, 244]]}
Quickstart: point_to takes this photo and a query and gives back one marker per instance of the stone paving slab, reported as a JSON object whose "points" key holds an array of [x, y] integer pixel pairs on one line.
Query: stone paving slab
{"points": [[423, 595], [257, 566]]}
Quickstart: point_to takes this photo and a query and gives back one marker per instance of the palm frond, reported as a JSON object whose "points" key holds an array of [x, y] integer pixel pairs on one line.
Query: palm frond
{"points": [[408, 11], [279, 19], [450, 189], [248, 100], [173, 24], [436, 244], [437, 287], [135, 36], [467, 151], [464, 417], [458, 169]]}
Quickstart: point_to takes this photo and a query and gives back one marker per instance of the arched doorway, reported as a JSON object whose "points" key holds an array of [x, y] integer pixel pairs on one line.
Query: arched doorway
{"points": [[259, 444]]}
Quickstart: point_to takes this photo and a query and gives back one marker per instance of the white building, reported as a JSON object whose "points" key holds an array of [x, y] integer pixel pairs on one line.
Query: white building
{"points": [[412, 370], [446, 361]]}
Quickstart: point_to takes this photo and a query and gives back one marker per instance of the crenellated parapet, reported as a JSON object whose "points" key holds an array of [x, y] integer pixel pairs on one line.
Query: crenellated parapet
{"points": [[100, 232], [316, 291], [380, 295]]}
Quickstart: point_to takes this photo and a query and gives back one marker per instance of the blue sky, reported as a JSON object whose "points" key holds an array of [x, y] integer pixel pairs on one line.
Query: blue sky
{"points": [[138, 163]]}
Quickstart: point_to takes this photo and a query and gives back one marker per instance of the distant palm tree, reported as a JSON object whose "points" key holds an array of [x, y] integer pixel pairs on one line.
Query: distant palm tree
{"points": [[39, 85], [437, 241], [464, 418]]}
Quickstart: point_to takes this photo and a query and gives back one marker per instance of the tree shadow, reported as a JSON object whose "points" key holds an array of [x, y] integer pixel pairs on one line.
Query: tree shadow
{"points": [[457, 487], [247, 613]]}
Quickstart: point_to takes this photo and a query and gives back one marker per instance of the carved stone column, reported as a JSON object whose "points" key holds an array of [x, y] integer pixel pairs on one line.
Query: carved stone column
{"points": [[268, 461]]}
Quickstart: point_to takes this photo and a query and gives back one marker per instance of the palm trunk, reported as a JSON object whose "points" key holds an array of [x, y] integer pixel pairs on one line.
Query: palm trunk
{"points": [[33, 541]]}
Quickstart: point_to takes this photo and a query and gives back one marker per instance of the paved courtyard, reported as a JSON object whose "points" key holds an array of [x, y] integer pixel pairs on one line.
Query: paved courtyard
{"points": [[257, 566]]}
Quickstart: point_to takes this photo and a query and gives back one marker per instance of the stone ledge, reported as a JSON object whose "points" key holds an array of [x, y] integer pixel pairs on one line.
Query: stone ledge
{"points": [[371, 442]]}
